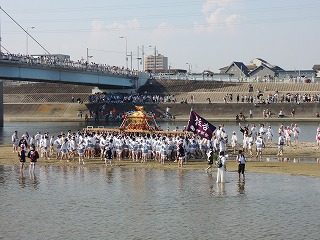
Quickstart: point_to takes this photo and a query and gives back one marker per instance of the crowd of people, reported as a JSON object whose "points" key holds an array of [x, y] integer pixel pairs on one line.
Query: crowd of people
{"points": [[85, 145], [130, 98], [109, 146], [53, 61], [275, 98]]}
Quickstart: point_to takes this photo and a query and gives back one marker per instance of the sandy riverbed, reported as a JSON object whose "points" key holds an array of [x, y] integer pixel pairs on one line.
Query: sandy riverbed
{"points": [[284, 165]]}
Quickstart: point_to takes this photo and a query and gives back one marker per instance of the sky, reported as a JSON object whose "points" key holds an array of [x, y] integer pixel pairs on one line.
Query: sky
{"points": [[196, 34]]}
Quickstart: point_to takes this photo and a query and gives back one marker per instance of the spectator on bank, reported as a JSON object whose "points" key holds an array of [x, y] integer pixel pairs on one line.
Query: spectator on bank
{"points": [[281, 114]]}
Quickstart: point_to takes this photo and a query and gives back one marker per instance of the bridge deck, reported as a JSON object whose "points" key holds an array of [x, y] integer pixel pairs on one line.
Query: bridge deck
{"points": [[27, 68]]}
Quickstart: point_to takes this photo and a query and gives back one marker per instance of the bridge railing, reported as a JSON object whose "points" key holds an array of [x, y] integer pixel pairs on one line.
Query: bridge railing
{"points": [[53, 62]]}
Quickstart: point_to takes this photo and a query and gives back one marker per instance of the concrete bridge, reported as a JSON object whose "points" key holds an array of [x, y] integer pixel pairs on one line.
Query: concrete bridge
{"points": [[51, 69], [47, 69]]}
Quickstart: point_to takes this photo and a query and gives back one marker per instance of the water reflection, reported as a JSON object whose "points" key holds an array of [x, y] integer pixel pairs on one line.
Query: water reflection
{"points": [[294, 160], [241, 189], [34, 180], [22, 179], [2, 178], [221, 189], [109, 175], [180, 179], [210, 182], [186, 204], [26, 178]]}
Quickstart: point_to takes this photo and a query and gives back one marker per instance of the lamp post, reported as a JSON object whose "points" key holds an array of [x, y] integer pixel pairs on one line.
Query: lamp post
{"points": [[189, 69], [155, 59], [126, 50], [88, 57], [27, 44], [140, 58]]}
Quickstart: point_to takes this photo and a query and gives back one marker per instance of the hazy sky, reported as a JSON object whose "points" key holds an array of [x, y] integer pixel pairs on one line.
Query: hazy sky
{"points": [[201, 34]]}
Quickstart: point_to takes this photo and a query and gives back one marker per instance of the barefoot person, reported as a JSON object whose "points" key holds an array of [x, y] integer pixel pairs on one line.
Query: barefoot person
{"points": [[221, 165], [181, 154], [22, 157], [296, 131], [241, 161], [211, 157], [281, 142], [33, 155], [259, 147], [15, 141]]}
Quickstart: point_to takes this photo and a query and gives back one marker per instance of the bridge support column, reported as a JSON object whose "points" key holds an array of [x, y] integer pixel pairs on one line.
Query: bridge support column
{"points": [[1, 103]]}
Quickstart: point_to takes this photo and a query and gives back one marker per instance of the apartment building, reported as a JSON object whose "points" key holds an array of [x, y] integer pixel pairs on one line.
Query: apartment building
{"points": [[154, 63]]}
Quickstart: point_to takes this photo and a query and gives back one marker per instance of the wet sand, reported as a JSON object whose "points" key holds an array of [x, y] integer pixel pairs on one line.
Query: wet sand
{"points": [[284, 165]]}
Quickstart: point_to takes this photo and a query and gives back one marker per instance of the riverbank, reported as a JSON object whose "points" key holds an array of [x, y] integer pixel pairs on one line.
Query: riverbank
{"points": [[71, 112], [288, 164]]}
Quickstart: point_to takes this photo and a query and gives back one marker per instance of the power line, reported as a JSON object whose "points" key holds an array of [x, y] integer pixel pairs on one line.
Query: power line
{"points": [[181, 26], [25, 31], [136, 6], [183, 15]]}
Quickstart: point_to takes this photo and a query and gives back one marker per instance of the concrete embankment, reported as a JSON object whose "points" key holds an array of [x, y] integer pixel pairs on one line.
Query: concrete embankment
{"points": [[215, 111], [62, 112]]}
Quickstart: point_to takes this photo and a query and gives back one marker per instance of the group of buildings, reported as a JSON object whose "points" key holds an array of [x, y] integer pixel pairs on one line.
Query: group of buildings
{"points": [[257, 70]]}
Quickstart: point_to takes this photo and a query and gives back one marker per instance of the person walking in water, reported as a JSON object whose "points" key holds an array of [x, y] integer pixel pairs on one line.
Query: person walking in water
{"points": [[15, 141], [33, 155], [241, 161], [181, 155], [211, 157], [22, 157], [221, 165]]}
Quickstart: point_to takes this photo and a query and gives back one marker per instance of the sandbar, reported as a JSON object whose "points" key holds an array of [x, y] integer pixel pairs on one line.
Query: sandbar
{"points": [[287, 164]]}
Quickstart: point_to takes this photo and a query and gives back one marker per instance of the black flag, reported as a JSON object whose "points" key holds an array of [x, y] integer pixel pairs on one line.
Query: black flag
{"points": [[200, 126]]}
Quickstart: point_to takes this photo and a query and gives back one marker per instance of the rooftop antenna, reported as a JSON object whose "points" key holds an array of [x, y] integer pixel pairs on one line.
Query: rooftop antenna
{"points": [[24, 31]]}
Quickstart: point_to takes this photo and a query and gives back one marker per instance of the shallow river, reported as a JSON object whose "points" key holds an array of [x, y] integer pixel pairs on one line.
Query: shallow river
{"points": [[104, 203]]}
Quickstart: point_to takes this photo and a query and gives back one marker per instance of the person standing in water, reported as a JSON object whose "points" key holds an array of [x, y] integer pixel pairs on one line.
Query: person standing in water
{"points": [[15, 141], [33, 155], [241, 161], [221, 165], [22, 157]]}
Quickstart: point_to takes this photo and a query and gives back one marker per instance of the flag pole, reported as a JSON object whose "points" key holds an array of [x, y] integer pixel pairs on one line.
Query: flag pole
{"points": [[191, 109], [188, 126]]}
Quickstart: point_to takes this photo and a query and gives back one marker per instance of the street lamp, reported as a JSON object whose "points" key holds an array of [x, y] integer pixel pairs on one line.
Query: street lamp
{"points": [[155, 58], [28, 38], [126, 50], [88, 57], [189, 69], [140, 59]]}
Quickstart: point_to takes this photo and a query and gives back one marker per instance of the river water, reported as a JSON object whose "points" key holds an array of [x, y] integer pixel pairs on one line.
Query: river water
{"points": [[77, 202]]}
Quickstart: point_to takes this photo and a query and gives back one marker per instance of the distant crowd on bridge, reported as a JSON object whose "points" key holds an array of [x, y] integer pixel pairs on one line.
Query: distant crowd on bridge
{"points": [[55, 62]]}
